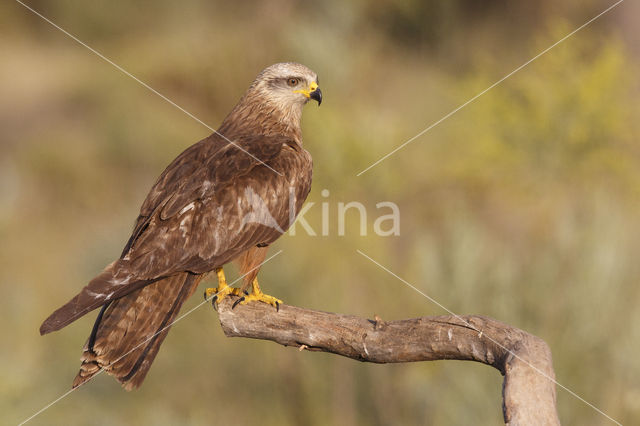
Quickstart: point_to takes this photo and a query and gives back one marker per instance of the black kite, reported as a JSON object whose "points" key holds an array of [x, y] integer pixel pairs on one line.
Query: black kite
{"points": [[224, 199]]}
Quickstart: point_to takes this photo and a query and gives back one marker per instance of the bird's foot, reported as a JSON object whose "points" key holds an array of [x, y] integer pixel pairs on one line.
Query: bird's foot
{"points": [[258, 295], [220, 293], [270, 300], [223, 290]]}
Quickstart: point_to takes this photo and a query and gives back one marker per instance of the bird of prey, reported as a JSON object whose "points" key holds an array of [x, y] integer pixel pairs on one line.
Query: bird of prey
{"points": [[224, 199]]}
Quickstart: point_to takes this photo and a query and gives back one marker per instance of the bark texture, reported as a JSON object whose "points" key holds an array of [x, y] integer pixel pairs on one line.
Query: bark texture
{"points": [[529, 393]]}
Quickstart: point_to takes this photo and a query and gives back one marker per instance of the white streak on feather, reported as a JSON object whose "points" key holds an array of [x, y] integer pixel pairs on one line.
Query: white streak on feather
{"points": [[122, 281], [183, 226], [205, 187], [216, 240], [94, 294], [188, 207]]}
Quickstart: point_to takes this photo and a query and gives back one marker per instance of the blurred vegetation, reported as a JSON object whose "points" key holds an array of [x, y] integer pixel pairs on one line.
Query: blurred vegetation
{"points": [[523, 206]]}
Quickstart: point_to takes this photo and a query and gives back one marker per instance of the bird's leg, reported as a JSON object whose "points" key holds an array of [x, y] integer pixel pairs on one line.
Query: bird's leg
{"points": [[222, 291], [257, 294]]}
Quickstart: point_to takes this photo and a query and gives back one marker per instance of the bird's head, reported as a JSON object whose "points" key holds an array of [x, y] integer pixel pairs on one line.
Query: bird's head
{"points": [[288, 84], [275, 99]]}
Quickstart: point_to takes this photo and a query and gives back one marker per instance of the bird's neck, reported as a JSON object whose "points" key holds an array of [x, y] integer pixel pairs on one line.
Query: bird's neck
{"points": [[256, 117]]}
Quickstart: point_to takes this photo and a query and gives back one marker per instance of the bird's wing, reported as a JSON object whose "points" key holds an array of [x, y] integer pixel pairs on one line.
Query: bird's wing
{"points": [[238, 202], [199, 171], [193, 219]]}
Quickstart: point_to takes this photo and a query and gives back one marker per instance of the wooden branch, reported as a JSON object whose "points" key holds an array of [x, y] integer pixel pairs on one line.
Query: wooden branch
{"points": [[529, 394]]}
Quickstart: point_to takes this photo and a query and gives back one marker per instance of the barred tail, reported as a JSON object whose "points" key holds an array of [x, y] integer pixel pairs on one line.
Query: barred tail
{"points": [[129, 332]]}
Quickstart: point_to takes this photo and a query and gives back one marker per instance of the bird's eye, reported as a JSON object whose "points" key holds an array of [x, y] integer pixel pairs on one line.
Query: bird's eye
{"points": [[293, 81]]}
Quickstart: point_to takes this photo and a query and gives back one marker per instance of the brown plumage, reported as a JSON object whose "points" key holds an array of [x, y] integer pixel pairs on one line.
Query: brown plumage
{"points": [[216, 202]]}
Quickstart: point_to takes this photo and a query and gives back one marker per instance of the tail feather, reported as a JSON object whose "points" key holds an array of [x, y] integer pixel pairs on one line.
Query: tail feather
{"points": [[132, 329]]}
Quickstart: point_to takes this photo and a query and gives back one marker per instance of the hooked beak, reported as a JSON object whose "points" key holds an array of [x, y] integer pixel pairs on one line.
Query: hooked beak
{"points": [[316, 95], [312, 93]]}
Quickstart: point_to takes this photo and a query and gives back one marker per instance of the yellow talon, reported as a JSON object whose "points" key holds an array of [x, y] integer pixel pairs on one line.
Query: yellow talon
{"points": [[258, 295], [222, 291]]}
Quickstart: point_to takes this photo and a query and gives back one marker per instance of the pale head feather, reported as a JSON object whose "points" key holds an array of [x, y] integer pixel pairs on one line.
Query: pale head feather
{"points": [[272, 101]]}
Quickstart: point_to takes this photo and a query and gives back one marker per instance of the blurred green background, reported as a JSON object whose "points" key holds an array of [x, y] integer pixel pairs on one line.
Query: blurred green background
{"points": [[523, 206]]}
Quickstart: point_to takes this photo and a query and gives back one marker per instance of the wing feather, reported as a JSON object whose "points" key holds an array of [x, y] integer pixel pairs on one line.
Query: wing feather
{"points": [[193, 217]]}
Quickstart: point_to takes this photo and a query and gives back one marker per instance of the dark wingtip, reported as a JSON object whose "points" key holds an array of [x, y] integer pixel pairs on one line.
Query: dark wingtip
{"points": [[48, 326], [68, 313], [60, 318], [44, 330]]}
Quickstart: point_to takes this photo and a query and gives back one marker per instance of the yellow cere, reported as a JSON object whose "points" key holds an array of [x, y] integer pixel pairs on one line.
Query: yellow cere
{"points": [[307, 92]]}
